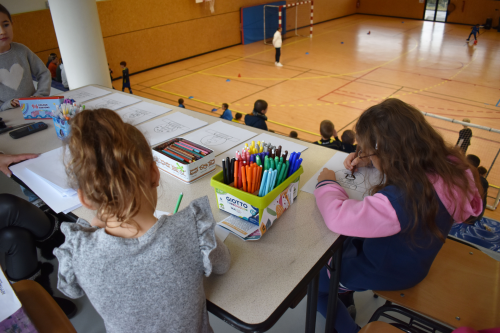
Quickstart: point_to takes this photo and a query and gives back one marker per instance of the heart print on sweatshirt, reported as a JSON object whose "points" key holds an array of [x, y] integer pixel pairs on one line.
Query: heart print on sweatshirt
{"points": [[12, 78]]}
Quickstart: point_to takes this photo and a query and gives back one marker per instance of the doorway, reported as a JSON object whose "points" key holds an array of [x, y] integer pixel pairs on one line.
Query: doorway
{"points": [[436, 10]]}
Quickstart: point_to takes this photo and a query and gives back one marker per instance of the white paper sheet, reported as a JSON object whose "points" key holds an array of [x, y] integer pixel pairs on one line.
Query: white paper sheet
{"points": [[159, 213], [40, 187], [357, 188], [289, 145], [113, 102], [170, 126], [220, 137], [50, 166], [85, 94], [141, 112], [8, 299]]}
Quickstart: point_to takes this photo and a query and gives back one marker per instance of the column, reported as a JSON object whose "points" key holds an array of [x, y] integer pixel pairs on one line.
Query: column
{"points": [[79, 36]]}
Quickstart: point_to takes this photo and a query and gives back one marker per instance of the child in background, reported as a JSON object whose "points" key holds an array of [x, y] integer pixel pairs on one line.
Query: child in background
{"points": [[258, 117], [64, 78], [17, 58], [237, 117], [126, 79], [49, 60], [226, 113], [53, 67], [277, 41], [464, 136], [475, 30], [154, 267], [347, 145], [396, 232], [327, 130], [294, 135], [58, 71], [181, 103]]}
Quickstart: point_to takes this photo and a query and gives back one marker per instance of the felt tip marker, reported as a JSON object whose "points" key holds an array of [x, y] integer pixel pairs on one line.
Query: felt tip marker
{"points": [[178, 203]]}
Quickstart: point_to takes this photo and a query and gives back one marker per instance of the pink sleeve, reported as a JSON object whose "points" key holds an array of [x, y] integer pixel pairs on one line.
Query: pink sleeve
{"points": [[371, 218]]}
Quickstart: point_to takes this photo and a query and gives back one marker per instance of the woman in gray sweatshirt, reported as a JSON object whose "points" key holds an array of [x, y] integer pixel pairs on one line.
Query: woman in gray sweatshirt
{"points": [[141, 273], [17, 65]]}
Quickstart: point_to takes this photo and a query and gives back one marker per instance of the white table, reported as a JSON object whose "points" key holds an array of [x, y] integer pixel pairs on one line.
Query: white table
{"points": [[266, 276]]}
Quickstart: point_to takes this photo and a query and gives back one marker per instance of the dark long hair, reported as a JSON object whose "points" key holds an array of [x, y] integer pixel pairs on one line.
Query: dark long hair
{"points": [[6, 12], [409, 149]]}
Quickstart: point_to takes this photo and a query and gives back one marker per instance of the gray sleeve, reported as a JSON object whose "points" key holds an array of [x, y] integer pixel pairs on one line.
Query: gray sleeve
{"points": [[220, 258], [214, 253], [41, 73], [67, 281], [6, 105]]}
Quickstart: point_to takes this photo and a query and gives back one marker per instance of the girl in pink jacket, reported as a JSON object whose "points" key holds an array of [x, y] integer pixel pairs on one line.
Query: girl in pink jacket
{"points": [[397, 231]]}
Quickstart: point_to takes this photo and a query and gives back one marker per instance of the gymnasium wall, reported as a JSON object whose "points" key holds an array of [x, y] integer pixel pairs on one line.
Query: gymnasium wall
{"points": [[400, 8], [474, 11], [150, 33]]}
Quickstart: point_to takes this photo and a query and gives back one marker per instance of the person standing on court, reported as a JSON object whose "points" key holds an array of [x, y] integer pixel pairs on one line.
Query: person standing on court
{"points": [[475, 30], [258, 117], [464, 137], [277, 45]]}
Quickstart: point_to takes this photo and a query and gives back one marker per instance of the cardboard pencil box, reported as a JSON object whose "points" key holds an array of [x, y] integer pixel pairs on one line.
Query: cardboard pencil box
{"points": [[255, 214], [39, 107], [185, 172]]}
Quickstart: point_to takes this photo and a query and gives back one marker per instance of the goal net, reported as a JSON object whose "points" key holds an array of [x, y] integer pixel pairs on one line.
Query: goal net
{"points": [[280, 17]]}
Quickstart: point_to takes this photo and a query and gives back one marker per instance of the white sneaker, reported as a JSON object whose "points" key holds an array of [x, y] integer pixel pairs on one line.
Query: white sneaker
{"points": [[275, 63], [279, 64]]}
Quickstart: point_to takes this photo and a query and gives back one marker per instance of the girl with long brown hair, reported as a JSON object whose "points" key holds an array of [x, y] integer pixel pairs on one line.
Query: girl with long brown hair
{"points": [[396, 232], [141, 273]]}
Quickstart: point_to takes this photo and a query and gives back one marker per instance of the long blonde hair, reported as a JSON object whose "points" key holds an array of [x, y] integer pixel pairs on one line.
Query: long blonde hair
{"points": [[110, 163]]}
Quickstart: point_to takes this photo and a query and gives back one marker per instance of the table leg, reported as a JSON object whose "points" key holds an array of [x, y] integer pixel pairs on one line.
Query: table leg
{"points": [[331, 309], [312, 305]]}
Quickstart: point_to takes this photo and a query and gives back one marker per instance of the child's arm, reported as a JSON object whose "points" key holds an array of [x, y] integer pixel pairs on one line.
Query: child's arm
{"points": [[220, 258], [41, 73], [371, 218]]}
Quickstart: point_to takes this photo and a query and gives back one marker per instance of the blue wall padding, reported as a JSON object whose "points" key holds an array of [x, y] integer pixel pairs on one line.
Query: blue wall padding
{"points": [[252, 22]]}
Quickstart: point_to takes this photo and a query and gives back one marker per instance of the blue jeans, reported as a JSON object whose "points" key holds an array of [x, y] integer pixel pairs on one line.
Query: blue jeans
{"points": [[31, 196], [344, 323]]}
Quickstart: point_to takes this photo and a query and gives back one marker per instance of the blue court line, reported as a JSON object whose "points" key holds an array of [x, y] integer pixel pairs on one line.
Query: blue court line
{"points": [[498, 102]]}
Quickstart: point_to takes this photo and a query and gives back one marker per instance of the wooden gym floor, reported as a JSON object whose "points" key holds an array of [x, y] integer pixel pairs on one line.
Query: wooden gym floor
{"points": [[342, 71]]}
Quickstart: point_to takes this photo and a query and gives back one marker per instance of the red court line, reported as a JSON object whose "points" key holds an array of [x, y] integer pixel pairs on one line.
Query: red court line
{"points": [[319, 99], [436, 77]]}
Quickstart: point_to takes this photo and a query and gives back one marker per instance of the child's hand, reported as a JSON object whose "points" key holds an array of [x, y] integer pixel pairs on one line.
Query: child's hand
{"points": [[14, 103], [352, 162], [326, 174], [335, 133]]}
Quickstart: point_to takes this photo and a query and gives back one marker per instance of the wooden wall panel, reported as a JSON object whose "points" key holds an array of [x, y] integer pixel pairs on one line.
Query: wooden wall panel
{"points": [[400, 8], [35, 30], [475, 11], [149, 33], [155, 46], [324, 10]]}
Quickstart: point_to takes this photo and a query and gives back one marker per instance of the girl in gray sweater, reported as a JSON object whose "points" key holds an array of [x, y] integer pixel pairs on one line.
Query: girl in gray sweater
{"points": [[17, 64], [141, 273]]}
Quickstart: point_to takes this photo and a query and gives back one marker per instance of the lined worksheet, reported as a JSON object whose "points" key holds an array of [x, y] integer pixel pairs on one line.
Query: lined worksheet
{"points": [[220, 136], [113, 102], [291, 145], [141, 112], [85, 94], [169, 126]]}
